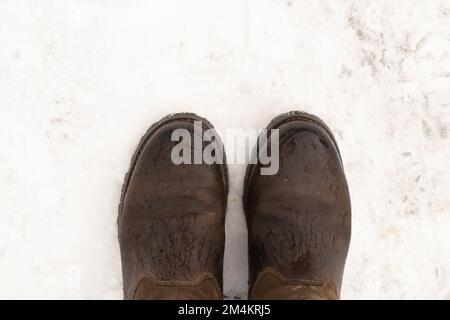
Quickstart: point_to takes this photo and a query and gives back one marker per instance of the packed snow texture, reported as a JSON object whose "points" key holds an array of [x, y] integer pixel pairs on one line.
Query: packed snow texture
{"points": [[81, 81]]}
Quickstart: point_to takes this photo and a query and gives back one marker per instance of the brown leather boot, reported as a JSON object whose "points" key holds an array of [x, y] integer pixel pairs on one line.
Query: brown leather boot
{"points": [[171, 220], [299, 219]]}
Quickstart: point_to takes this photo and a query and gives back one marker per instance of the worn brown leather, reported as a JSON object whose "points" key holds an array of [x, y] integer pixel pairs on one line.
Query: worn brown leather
{"points": [[171, 220], [299, 220], [204, 288]]}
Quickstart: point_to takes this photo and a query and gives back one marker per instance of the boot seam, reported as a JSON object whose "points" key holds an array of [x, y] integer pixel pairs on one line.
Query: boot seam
{"points": [[181, 283], [288, 281]]}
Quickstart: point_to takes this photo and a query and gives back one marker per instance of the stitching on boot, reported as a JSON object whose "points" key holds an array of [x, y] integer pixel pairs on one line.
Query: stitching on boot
{"points": [[287, 281], [181, 283]]}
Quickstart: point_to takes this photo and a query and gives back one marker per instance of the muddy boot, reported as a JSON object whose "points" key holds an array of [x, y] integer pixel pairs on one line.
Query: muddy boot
{"points": [[171, 219], [299, 219]]}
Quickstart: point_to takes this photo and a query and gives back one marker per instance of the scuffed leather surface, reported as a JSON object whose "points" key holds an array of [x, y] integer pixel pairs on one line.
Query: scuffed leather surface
{"points": [[203, 288], [300, 219], [270, 285], [171, 226]]}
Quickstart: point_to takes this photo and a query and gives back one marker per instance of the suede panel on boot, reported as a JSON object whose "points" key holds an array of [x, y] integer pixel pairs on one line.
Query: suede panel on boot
{"points": [[205, 288], [171, 219], [299, 219], [270, 285]]}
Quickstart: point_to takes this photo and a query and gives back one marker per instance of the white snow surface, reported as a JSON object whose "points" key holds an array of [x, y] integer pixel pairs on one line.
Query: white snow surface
{"points": [[81, 81]]}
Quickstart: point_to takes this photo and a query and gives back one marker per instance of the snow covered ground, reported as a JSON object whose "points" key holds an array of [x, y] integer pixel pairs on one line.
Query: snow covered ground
{"points": [[80, 82]]}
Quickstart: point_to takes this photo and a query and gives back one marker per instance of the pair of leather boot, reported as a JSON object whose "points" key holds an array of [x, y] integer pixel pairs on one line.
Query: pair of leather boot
{"points": [[172, 217]]}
